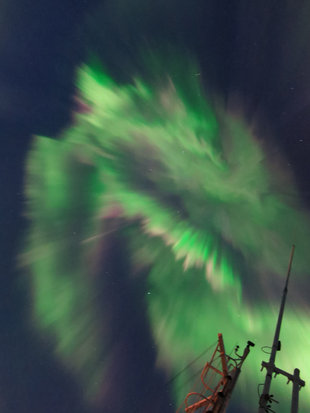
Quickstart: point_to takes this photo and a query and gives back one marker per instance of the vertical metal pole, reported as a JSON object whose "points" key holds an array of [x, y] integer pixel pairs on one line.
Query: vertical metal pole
{"points": [[222, 354], [295, 394], [265, 394], [222, 402]]}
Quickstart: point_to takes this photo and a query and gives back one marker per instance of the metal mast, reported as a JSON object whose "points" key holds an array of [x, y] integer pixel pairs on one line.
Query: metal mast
{"points": [[266, 399], [217, 394]]}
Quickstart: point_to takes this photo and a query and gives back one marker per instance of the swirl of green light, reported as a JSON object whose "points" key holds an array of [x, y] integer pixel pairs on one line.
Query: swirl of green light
{"points": [[205, 214]]}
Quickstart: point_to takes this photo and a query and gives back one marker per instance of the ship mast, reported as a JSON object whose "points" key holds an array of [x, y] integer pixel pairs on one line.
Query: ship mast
{"points": [[266, 399], [216, 395]]}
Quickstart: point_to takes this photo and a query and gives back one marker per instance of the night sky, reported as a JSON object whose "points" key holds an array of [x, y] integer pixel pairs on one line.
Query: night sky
{"points": [[253, 55]]}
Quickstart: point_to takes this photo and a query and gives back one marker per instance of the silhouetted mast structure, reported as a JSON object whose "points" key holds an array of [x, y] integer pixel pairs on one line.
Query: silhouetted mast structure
{"points": [[266, 399], [215, 396]]}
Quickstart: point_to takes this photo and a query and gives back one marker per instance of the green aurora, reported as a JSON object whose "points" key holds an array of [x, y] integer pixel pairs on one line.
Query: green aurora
{"points": [[188, 186]]}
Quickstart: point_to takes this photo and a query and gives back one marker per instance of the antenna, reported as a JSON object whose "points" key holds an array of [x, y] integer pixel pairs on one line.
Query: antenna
{"points": [[266, 399]]}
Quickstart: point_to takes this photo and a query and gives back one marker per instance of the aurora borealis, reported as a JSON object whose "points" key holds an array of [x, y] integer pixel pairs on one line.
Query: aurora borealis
{"points": [[159, 195], [154, 173]]}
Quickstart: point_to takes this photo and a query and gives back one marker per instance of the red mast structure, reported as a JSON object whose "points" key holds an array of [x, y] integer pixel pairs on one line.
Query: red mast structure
{"points": [[215, 397]]}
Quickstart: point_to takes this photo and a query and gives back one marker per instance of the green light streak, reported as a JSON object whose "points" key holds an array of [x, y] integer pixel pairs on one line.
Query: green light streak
{"points": [[204, 213]]}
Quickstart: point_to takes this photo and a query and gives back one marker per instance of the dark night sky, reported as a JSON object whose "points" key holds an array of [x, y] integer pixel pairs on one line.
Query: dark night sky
{"points": [[255, 50]]}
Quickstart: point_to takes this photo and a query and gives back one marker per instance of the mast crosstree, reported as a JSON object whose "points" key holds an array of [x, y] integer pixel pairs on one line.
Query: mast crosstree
{"points": [[267, 399]]}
